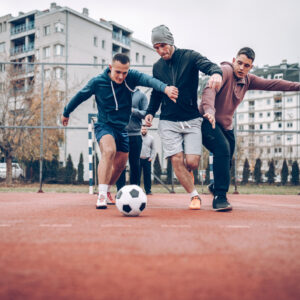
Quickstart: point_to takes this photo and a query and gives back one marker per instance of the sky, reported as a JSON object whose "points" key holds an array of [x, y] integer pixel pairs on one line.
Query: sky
{"points": [[215, 28]]}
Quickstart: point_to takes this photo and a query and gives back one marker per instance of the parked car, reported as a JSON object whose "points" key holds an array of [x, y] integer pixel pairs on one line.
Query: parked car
{"points": [[17, 171]]}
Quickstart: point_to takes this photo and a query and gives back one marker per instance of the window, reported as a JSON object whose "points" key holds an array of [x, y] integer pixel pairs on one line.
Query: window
{"points": [[59, 73], [241, 127], [278, 138], [46, 30], [268, 101], [268, 114], [47, 74], [0, 27], [58, 50], [268, 150], [95, 41], [261, 139], [278, 76], [103, 44], [289, 137], [269, 126], [261, 126], [251, 127], [103, 64], [95, 60], [291, 149], [46, 52], [59, 27], [2, 47], [2, 67], [2, 86], [137, 57], [268, 138], [144, 59], [279, 125], [241, 117], [260, 115], [289, 100], [290, 125]]}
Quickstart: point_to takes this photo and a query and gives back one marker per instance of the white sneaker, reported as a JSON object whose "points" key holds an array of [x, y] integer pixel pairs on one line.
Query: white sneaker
{"points": [[101, 201]]}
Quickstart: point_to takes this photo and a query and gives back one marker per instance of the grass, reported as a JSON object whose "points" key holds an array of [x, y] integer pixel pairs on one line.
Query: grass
{"points": [[59, 188]]}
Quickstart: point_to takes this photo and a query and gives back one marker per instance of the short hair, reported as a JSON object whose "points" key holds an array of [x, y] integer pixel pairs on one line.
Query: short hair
{"points": [[122, 58], [248, 52], [144, 125]]}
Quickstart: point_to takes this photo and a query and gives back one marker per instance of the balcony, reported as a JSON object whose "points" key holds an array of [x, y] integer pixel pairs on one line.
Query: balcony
{"points": [[22, 28], [22, 49], [121, 38]]}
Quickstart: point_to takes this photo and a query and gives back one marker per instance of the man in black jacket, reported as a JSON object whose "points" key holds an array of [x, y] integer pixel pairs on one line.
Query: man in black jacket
{"points": [[180, 120]]}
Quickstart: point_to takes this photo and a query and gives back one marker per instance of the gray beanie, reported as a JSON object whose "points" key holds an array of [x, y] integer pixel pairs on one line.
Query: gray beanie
{"points": [[162, 34]]}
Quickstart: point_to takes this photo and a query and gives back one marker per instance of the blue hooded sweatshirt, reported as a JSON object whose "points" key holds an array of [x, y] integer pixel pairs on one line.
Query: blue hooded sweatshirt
{"points": [[114, 101]]}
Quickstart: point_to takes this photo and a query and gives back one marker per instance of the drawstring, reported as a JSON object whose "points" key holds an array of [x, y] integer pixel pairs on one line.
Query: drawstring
{"points": [[185, 123], [113, 90]]}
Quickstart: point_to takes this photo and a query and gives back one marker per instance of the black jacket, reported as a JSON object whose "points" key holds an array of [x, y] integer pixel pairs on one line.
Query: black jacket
{"points": [[182, 71]]}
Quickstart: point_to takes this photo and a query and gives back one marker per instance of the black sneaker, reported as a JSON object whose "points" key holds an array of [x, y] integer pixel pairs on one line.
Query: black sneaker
{"points": [[220, 203], [211, 188]]}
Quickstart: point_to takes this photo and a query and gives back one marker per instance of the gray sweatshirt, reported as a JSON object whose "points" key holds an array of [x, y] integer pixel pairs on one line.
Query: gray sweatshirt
{"points": [[148, 148], [139, 107]]}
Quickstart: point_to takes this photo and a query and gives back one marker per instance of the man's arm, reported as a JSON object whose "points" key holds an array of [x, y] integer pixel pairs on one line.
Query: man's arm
{"points": [[204, 65], [257, 83], [140, 112], [80, 97], [155, 101]]}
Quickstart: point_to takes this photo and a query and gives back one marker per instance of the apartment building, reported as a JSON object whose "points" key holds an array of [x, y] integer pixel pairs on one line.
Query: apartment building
{"points": [[65, 37], [268, 123]]}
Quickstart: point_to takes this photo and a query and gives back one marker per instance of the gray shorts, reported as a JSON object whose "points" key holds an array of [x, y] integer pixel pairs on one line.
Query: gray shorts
{"points": [[182, 136]]}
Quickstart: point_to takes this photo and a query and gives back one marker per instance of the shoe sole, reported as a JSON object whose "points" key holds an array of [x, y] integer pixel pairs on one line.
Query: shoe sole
{"points": [[101, 207], [223, 209], [111, 203]]}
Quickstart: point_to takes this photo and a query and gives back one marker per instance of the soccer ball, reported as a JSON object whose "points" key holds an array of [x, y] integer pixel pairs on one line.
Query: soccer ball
{"points": [[131, 200]]}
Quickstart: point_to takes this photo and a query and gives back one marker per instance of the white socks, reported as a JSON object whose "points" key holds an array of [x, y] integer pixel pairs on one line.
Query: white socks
{"points": [[194, 193], [102, 189]]}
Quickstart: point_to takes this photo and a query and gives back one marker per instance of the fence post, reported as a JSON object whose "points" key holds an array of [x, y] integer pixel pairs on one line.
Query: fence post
{"points": [[42, 132], [90, 144]]}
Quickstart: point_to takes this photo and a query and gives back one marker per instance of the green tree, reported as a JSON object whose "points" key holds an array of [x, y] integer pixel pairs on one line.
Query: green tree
{"points": [[295, 173], [271, 172], [232, 171], [246, 172], [257, 171], [80, 169], [207, 173], [284, 173], [70, 170], [157, 168], [169, 171]]}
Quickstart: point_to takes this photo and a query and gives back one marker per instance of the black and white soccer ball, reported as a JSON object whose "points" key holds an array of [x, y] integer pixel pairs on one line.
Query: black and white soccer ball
{"points": [[131, 200]]}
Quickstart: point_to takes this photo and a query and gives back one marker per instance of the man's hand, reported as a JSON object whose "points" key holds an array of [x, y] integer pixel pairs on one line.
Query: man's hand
{"points": [[172, 92], [211, 119], [148, 120], [215, 81], [150, 159], [64, 120]]}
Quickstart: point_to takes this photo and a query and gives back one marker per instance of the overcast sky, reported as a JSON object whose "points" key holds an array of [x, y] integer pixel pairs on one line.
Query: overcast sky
{"points": [[215, 28]]}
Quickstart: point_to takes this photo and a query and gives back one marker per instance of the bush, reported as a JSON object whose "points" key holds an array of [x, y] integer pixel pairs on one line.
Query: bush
{"points": [[246, 172], [257, 171], [80, 169], [295, 173], [270, 174], [169, 171], [284, 173], [70, 173]]}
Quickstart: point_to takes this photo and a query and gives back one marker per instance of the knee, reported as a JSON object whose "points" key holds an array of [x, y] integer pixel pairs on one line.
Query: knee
{"points": [[192, 165]]}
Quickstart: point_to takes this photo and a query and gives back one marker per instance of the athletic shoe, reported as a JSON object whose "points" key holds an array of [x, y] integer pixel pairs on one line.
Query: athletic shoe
{"points": [[195, 203], [110, 199], [220, 203], [211, 188], [101, 202]]}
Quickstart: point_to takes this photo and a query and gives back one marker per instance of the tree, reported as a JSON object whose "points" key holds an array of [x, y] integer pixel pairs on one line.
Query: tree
{"points": [[295, 173], [169, 171], [157, 168], [257, 171], [246, 172], [207, 173], [20, 105], [70, 171], [284, 173], [80, 169], [270, 174], [232, 171]]}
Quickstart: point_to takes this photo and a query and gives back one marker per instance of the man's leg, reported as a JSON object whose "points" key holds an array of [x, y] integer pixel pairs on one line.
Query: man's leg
{"points": [[108, 151], [122, 180], [217, 142], [118, 166], [147, 176], [142, 170], [135, 143]]}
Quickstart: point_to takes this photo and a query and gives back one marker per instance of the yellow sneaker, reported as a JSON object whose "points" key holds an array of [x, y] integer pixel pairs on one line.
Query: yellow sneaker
{"points": [[195, 203]]}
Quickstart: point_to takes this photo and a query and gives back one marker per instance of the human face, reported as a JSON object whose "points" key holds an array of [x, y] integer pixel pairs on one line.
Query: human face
{"points": [[165, 51], [241, 66], [118, 71], [144, 130]]}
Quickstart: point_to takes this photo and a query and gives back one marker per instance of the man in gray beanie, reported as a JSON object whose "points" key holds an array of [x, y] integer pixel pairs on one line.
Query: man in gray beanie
{"points": [[180, 120]]}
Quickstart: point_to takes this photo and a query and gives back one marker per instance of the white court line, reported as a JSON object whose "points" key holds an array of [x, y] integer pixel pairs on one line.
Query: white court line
{"points": [[55, 225], [288, 227], [115, 225], [5, 225], [175, 226], [237, 226], [286, 205]]}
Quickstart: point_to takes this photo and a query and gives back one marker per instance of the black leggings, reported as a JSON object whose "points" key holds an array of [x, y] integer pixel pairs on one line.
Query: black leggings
{"points": [[221, 143]]}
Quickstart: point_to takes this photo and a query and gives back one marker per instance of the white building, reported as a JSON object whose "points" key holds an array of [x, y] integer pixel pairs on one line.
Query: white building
{"points": [[64, 36], [274, 118]]}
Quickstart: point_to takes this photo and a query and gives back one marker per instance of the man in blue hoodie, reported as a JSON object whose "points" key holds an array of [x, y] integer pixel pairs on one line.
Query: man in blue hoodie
{"points": [[114, 100]]}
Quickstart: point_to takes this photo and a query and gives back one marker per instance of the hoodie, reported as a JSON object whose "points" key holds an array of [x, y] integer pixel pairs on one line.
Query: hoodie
{"points": [[222, 103], [113, 100]]}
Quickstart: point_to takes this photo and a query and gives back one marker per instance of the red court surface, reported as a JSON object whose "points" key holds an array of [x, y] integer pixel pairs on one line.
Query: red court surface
{"points": [[58, 246]]}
